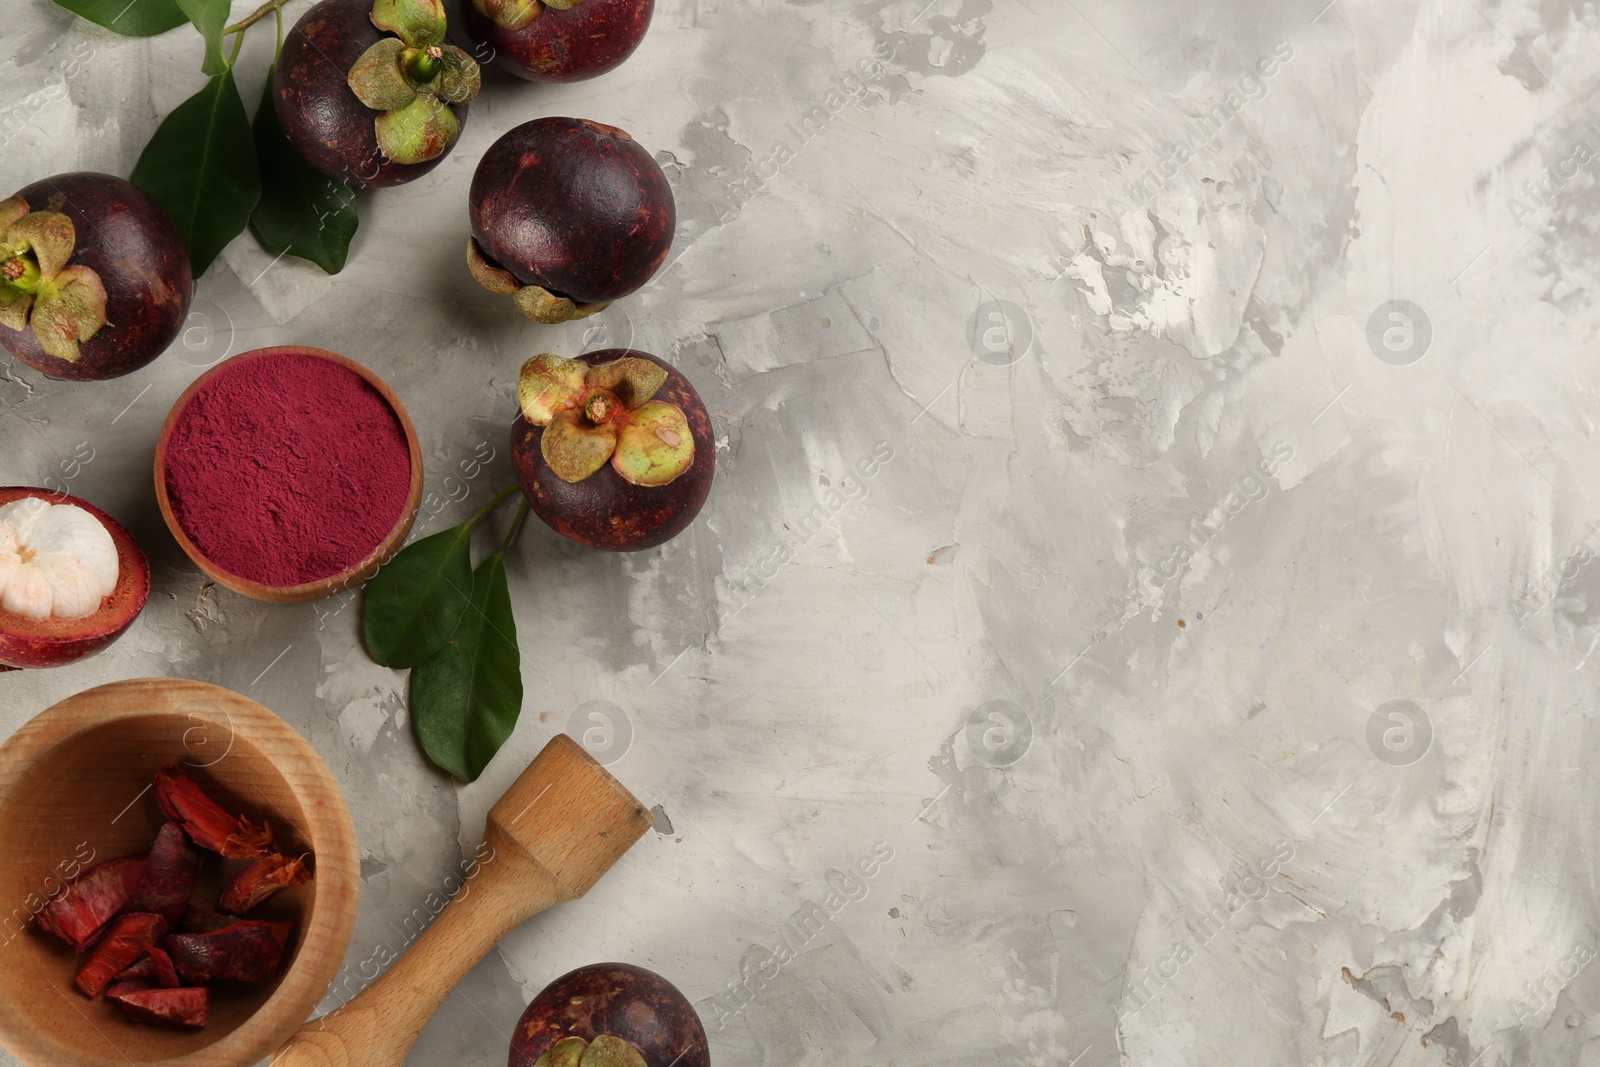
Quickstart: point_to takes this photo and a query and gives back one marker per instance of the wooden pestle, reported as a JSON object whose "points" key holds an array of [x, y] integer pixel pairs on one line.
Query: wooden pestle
{"points": [[560, 826]]}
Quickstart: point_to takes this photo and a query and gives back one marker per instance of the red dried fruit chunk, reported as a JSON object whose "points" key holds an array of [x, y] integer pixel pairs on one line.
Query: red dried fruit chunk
{"points": [[145, 968], [169, 875], [247, 951], [135, 986], [186, 1009], [82, 910], [205, 821], [203, 921], [166, 974], [261, 879], [123, 944]]}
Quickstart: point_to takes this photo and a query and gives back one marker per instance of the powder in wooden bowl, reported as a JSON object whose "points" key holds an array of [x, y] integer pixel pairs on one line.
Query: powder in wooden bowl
{"points": [[287, 468]]}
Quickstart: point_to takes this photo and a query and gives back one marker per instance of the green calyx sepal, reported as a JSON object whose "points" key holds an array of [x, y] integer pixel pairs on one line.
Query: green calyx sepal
{"points": [[592, 415], [413, 78], [534, 301], [515, 14], [419, 23], [607, 1050], [63, 304]]}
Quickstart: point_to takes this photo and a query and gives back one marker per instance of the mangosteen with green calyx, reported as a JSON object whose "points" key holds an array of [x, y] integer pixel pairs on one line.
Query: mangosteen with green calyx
{"points": [[94, 279], [370, 93], [567, 216], [609, 1015], [613, 449]]}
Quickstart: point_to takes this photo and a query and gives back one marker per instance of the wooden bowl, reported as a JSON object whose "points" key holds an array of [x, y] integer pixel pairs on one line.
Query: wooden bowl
{"points": [[322, 587], [76, 780]]}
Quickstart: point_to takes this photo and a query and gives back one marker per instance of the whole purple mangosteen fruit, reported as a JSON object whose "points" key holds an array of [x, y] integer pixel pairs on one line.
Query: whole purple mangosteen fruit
{"points": [[612, 449], [94, 278], [557, 41], [368, 92], [610, 1015], [567, 216]]}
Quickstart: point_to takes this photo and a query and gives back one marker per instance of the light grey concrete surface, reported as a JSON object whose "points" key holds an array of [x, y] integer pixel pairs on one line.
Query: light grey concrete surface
{"points": [[1169, 502]]}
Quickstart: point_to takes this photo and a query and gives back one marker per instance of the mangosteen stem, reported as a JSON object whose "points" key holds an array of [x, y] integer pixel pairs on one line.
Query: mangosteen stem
{"points": [[491, 504], [516, 527], [255, 16], [21, 272], [599, 408], [423, 66]]}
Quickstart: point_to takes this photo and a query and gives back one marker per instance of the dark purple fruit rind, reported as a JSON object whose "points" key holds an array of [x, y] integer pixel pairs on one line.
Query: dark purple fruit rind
{"points": [[563, 46], [563, 204], [320, 115], [128, 239], [629, 1002], [604, 511]]}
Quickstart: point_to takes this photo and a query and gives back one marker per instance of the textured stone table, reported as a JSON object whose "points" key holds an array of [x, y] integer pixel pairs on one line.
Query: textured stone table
{"points": [[1153, 525]]}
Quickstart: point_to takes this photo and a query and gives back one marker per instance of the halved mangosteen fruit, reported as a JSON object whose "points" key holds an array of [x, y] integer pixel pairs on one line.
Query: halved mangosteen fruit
{"points": [[72, 579]]}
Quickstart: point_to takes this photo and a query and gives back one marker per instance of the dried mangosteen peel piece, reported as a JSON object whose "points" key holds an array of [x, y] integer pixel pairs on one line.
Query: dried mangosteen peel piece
{"points": [[129, 985], [165, 973], [170, 871], [606, 412], [244, 951], [412, 78], [205, 821], [534, 301], [183, 1009], [122, 945], [261, 879], [82, 911], [204, 921], [606, 1050], [143, 969], [63, 304]]}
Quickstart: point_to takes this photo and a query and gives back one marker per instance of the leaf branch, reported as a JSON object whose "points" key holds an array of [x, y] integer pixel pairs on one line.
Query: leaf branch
{"points": [[256, 16], [516, 526]]}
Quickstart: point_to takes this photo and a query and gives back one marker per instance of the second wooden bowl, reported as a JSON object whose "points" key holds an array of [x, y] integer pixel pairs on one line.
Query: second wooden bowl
{"points": [[322, 588], [75, 790]]}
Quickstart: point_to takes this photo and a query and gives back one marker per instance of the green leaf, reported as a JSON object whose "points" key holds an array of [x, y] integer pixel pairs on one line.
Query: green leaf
{"points": [[417, 600], [131, 18], [303, 212], [209, 17], [201, 166], [465, 698]]}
